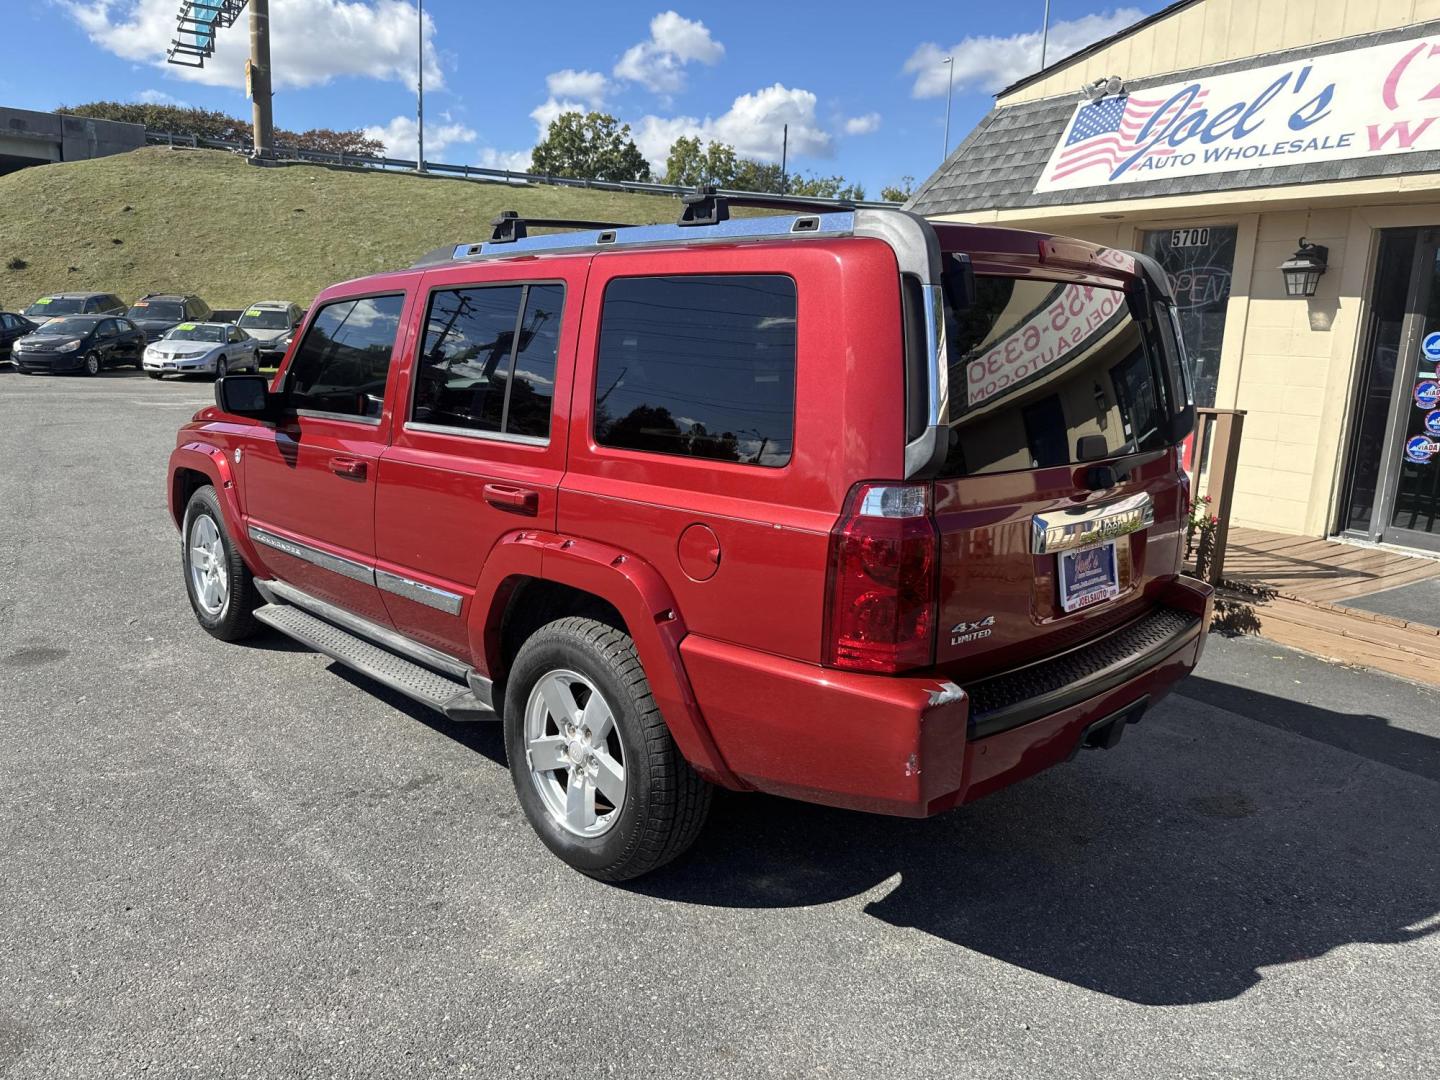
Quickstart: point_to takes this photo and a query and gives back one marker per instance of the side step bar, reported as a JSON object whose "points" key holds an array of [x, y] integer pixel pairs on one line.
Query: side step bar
{"points": [[455, 697]]}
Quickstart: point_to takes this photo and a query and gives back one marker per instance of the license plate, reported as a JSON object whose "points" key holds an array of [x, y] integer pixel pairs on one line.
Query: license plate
{"points": [[1087, 576]]}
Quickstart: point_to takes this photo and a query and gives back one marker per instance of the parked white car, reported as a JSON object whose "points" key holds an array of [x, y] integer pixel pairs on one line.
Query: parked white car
{"points": [[202, 348]]}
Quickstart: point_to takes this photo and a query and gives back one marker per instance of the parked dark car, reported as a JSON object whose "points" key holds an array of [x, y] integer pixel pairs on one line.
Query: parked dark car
{"points": [[85, 343], [158, 312], [74, 303], [13, 327]]}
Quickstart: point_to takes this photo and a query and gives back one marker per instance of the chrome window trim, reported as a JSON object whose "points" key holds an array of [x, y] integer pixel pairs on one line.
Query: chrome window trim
{"points": [[344, 418], [336, 564], [273, 589], [1065, 530], [418, 591], [472, 433]]}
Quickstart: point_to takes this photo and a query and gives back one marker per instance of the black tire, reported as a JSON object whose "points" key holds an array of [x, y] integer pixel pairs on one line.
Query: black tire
{"points": [[665, 803], [90, 364], [153, 374], [222, 368], [236, 619]]}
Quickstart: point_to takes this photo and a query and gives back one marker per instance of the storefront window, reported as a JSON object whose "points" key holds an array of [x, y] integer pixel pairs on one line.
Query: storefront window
{"points": [[1198, 262]]}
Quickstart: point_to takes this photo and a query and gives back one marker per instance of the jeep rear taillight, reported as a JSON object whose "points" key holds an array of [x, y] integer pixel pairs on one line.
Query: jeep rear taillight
{"points": [[882, 580]]}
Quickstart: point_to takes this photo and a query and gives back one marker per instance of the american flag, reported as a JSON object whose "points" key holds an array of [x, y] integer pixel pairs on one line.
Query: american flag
{"points": [[1104, 133]]}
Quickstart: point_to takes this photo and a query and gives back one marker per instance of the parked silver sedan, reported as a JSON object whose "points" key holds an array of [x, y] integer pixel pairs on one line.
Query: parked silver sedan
{"points": [[202, 348]]}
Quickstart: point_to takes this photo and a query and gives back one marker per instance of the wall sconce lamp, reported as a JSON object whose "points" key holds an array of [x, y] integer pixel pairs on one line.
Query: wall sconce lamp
{"points": [[1303, 269]]}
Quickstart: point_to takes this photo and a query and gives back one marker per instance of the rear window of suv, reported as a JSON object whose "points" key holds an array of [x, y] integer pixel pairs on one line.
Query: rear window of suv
{"points": [[1039, 366], [698, 366]]}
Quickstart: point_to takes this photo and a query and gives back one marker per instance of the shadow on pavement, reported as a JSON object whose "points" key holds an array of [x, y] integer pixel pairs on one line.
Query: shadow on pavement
{"points": [[1368, 735], [482, 736], [1169, 877]]}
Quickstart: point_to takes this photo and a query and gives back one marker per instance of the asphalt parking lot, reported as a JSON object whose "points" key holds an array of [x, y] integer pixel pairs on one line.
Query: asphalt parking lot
{"points": [[243, 861]]}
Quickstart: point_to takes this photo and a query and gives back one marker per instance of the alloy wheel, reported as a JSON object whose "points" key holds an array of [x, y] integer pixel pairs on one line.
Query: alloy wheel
{"points": [[92, 365], [209, 575], [574, 754]]}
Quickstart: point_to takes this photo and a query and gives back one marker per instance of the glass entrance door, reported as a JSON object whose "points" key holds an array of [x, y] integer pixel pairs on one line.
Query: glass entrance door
{"points": [[1394, 477]]}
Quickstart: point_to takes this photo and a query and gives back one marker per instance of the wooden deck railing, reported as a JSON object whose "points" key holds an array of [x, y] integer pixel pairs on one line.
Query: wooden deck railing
{"points": [[1217, 432]]}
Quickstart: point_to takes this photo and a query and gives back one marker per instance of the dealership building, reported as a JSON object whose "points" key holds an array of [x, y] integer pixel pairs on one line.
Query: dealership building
{"points": [[1229, 138]]}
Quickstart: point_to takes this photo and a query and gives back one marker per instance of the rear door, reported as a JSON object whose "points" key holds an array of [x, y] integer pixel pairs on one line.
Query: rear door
{"points": [[1040, 548], [310, 478], [480, 440]]}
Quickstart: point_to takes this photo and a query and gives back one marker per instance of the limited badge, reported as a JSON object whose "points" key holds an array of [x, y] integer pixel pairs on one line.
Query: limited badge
{"points": [[1427, 394], [962, 633], [1420, 449]]}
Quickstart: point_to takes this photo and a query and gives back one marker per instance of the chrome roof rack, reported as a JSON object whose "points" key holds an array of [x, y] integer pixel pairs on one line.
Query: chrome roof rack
{"points": [[509, 226]]}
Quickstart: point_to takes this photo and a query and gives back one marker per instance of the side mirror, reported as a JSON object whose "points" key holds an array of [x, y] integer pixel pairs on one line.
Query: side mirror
{"points": [[1091, 448], [246, 395]]}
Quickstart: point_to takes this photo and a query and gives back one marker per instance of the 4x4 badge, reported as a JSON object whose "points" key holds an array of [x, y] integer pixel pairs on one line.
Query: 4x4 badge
{"points": [[963, 633]]}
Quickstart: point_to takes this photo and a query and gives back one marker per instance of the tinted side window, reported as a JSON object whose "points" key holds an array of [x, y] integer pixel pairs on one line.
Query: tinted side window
{"points": [[533, 383], [343, 362], [699, 366], [488, 361]]}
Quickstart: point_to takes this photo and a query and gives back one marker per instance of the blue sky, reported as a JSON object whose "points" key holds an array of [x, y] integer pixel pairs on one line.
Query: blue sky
{"points": [[862, 90]]}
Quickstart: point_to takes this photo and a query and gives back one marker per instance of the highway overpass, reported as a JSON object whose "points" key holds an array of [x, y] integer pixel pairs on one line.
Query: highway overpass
{"points": [[38, 138]]}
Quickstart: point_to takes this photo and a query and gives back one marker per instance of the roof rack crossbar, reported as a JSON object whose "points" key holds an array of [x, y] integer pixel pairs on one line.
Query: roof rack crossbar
{"points": [[831, 222], [707, 205], [509, 226]]}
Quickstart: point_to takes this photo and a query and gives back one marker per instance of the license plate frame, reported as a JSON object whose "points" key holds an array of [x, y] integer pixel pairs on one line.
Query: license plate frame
{"points": [[1088, 576]]}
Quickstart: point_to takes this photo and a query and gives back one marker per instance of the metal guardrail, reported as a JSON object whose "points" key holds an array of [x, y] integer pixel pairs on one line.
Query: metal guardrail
{"points": [[467, 172]]}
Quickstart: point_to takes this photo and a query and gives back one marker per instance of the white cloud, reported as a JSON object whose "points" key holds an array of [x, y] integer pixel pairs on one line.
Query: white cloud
{"points": [[659, 63], [753, 126], [863, 125], [400, 137], [311, 42], [590, 87], [993, 63], [160, 97], [514, 160]]}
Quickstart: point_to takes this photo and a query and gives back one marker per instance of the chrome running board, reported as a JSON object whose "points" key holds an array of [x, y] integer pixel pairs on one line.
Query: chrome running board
{"points": [[427, 675]]}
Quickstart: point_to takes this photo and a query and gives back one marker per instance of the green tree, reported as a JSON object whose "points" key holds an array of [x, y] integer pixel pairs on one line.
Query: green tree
{"points": [[210, 124], [594, 146], [755, 176], [902, 193], [824, 187], [692, 163]]}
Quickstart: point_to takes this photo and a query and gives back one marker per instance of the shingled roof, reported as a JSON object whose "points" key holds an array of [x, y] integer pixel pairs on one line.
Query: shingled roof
{"points": [[999, 163]]}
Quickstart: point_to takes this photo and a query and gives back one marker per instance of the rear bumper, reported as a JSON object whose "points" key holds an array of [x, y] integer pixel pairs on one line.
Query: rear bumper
{"points": [[918, 745]]}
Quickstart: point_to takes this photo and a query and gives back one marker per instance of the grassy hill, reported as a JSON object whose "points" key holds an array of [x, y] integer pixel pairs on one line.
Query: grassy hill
{"points": [[203, 221]]}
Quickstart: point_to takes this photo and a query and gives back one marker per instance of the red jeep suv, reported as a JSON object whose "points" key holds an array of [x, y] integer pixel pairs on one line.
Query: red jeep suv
{"points": [[837, 504]]}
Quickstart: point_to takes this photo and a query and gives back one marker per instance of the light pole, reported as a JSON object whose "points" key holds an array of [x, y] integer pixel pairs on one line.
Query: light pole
{"points": [[949, 62], [259, 71], [1044, 35], [420, 86]]}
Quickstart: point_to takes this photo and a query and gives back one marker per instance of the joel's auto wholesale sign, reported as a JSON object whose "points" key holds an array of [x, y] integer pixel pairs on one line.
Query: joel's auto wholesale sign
{"points": [[1384, 99]]}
